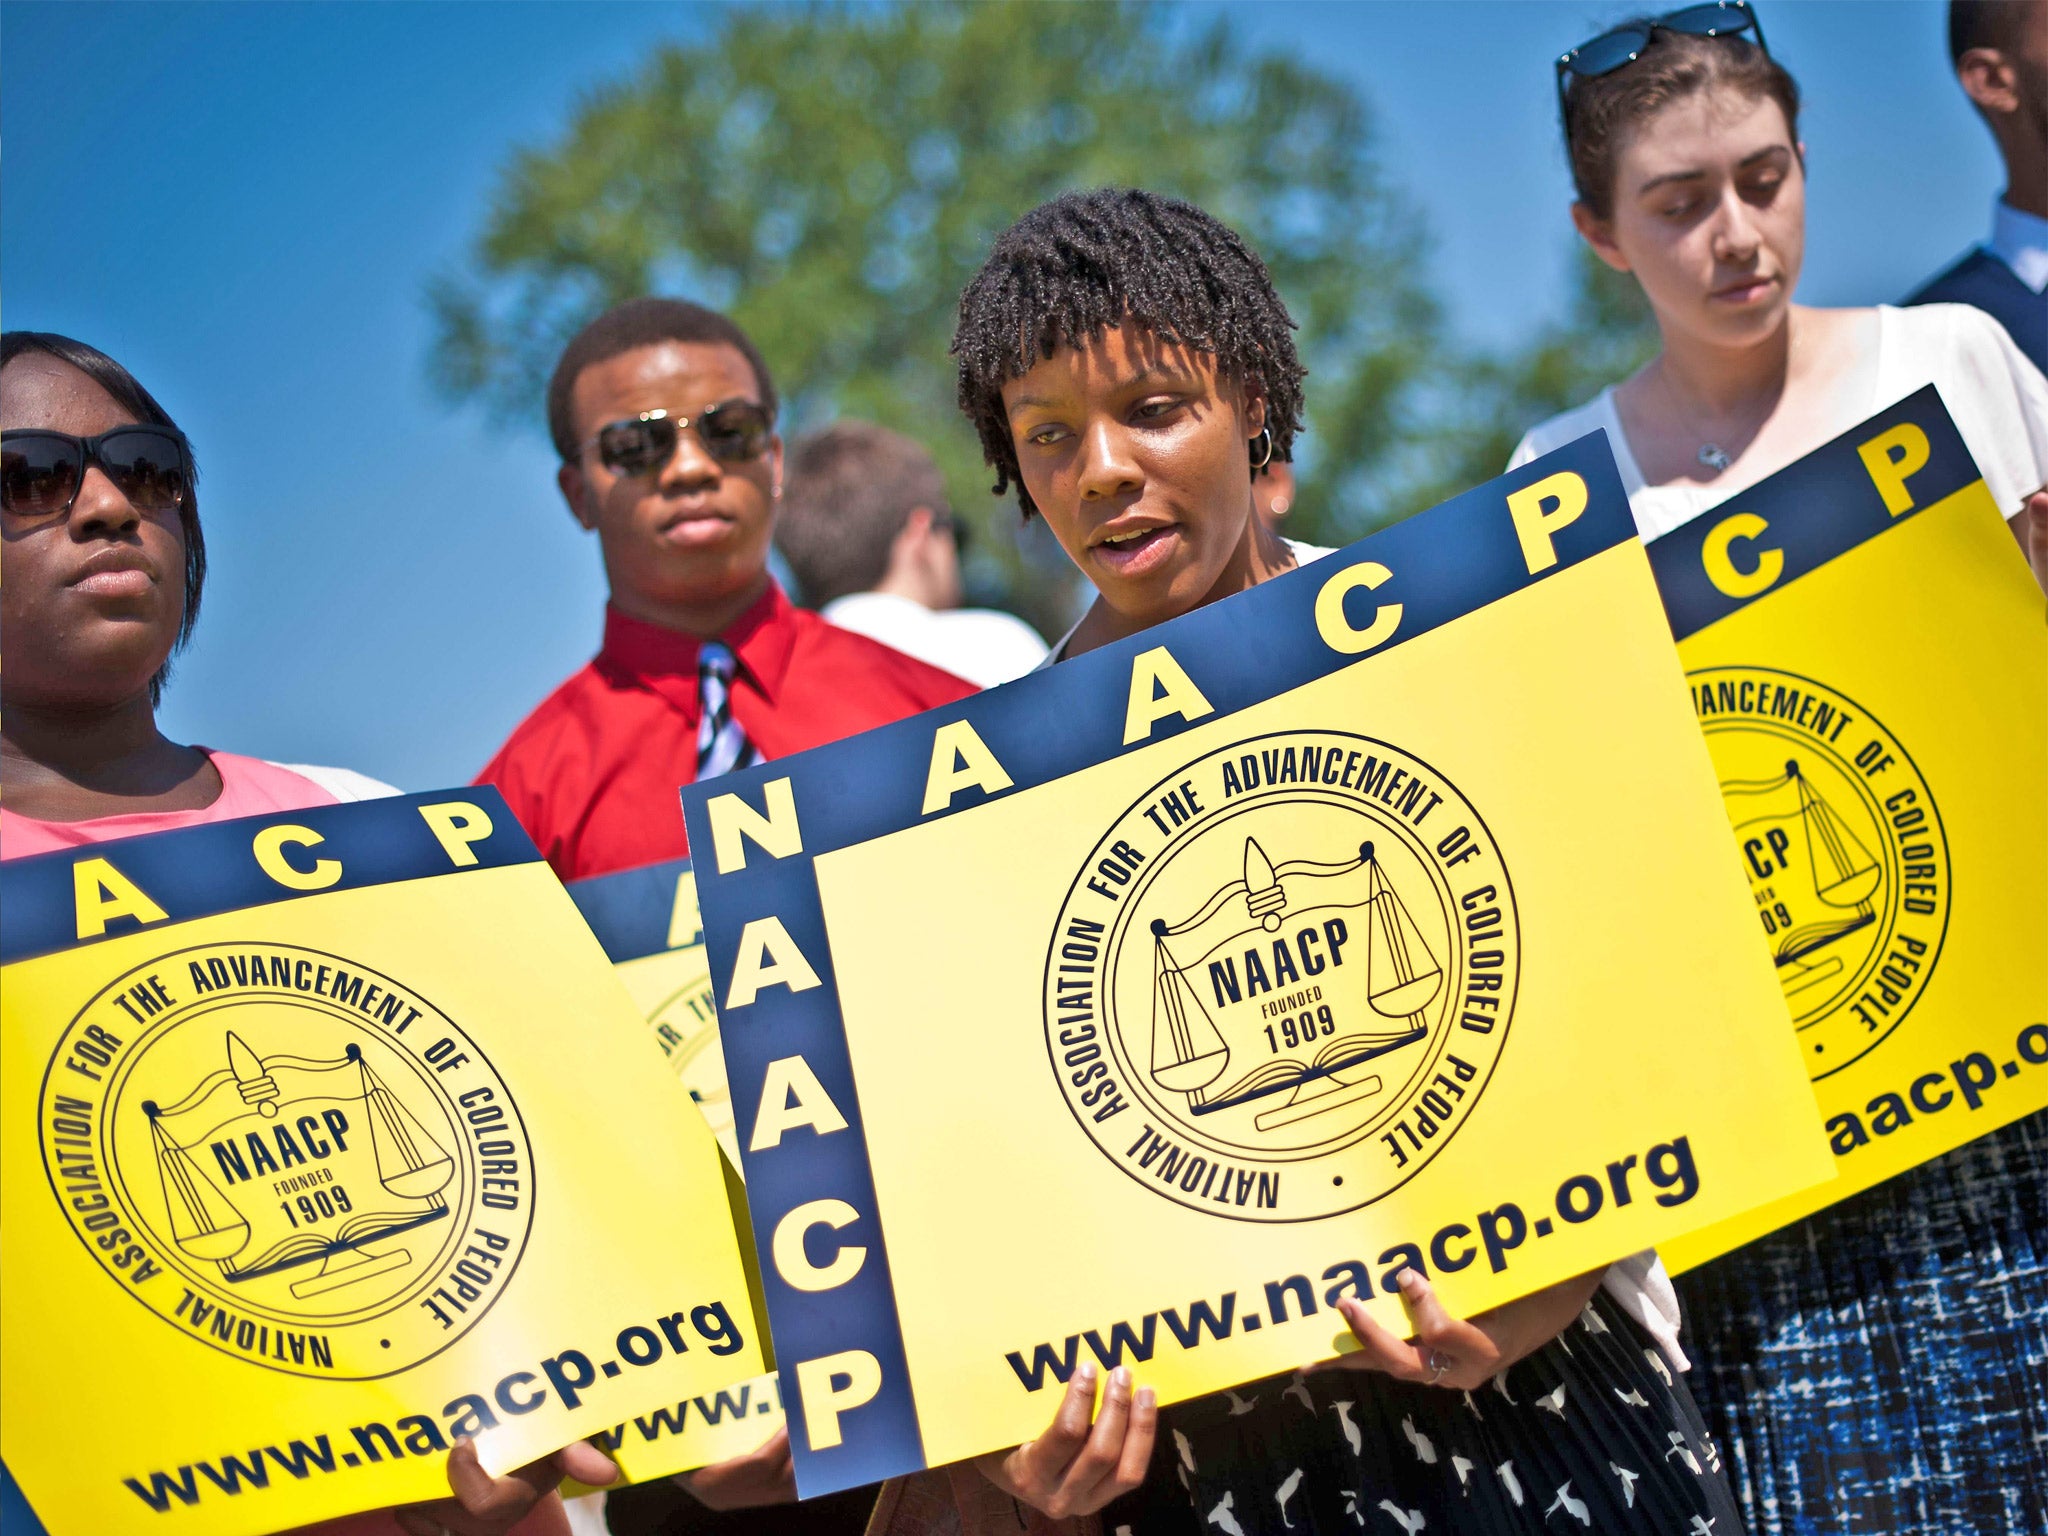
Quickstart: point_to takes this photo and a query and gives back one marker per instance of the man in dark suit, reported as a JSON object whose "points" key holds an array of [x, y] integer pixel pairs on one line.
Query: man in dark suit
{"points": [[2000, 51]]}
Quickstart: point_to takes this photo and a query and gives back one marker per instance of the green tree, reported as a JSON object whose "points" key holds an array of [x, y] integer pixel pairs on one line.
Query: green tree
{"points": [[832, 176], [1608, 332]]}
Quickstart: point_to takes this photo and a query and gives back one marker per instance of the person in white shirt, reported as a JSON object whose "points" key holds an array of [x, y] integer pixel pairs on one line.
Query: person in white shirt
{"points": [[1691, 176], [2000, 52], [875, 548], [1863, 1370]]}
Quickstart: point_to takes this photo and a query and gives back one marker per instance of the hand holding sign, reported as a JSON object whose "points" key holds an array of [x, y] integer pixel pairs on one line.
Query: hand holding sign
{"points": [[1084, 1459], [2031, 526], [491, 1506], [1457, 1353], [762, 1477]]}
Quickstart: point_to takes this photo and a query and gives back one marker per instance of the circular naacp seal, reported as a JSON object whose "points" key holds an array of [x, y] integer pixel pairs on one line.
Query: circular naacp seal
{"points": [[1282, 979], [289, 1156], [1844, 850]]}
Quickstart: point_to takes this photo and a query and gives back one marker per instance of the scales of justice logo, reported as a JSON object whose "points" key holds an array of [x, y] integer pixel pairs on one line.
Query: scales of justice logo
{"points": [[336, 1191], [1259, 996], [1843, 847]]}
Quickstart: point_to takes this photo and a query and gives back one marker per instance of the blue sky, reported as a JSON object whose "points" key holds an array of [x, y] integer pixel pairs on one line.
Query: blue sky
{"points": [[245, 202]]}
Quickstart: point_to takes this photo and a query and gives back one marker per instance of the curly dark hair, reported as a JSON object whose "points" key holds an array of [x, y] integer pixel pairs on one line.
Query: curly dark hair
{"points": [[1085, 262]]}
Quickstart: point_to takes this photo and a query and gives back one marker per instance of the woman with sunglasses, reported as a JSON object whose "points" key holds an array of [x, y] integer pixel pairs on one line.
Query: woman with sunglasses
{"points": [[1882, 1366], [105, 565], [1131, 370]]}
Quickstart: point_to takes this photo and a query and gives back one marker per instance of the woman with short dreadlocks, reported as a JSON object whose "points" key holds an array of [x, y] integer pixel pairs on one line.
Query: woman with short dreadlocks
{"points": [[1131, 373]]}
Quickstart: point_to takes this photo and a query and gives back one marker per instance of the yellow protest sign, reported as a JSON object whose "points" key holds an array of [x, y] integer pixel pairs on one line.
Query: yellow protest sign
{"points": [[646, 919], [1867, 658], [318, 1153], [1380, 916], [691, 1432]]}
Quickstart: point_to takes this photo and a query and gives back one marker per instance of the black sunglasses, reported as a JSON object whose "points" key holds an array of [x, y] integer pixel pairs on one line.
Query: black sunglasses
{"points": [[1610, 51], [41, 471], [732, 432]]}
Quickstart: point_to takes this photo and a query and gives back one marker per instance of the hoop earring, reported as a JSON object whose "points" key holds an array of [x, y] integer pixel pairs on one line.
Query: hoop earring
{"points": [[1264, 441]]}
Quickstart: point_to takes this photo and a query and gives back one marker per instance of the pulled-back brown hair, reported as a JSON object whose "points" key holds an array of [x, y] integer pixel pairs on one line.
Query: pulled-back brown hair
{"points": [[1599, 113]]}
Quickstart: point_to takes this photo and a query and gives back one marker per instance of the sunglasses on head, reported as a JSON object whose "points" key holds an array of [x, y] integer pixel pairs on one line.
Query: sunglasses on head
{"points": [[1610, 51], [732, 432], [41, 471]]}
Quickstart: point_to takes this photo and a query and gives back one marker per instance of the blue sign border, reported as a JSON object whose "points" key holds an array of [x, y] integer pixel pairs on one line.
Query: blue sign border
{"points": [[208, 869], [629, 910], [1820, 508]]}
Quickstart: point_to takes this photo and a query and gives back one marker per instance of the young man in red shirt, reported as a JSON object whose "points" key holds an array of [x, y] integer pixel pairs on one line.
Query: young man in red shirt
{"points": [[664, 415]]}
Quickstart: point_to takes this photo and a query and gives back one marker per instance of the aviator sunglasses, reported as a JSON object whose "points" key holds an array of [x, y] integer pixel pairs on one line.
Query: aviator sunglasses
{"points": [[1610, 51], [732, 432], [41, 470]]}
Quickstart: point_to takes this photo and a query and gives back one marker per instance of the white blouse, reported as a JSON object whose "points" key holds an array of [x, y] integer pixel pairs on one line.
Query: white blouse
{"points": [[1999, 402], [1998, 398]]}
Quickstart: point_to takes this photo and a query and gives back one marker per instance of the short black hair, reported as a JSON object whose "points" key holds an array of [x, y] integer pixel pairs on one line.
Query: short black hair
{"points": [[642, 323], [851, 487], [139, 403], [1999, 24], [1084, 263]]}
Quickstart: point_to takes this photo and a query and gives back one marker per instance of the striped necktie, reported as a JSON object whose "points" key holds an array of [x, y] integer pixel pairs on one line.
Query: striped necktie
{"points": [[722, 743]]}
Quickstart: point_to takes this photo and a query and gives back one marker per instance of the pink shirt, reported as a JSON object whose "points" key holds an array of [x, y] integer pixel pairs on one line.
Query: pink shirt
{"points": [[248, 787]]}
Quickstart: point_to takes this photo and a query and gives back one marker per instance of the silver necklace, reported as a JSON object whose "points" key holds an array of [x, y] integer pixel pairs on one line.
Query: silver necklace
{"points": [[1710, 455]]}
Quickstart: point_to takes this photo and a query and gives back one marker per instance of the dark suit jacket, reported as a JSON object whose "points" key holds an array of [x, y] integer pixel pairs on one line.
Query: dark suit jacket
{"points": [[1982, 280]]}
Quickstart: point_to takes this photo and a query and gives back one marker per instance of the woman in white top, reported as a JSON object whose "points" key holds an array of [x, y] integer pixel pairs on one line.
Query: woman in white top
{"points": [[1879, 1367], [1691, 176]]}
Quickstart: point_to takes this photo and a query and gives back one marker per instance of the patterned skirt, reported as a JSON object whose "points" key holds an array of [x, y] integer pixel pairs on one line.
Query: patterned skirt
{"points": [[1593, 1432], [1883, 1366]]}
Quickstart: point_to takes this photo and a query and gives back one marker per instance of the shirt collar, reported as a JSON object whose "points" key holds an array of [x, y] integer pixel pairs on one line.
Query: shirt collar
{"points": [[762, 639], [2020, 240], [870, 602]]}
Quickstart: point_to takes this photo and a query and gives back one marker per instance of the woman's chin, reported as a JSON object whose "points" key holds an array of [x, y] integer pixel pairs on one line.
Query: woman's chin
{"points": [[1745, 321], [104, 679], [1167, 595]]}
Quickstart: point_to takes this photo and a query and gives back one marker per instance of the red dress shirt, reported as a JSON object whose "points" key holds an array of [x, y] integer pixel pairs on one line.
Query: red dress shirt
{"points": [[592, 773]]}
